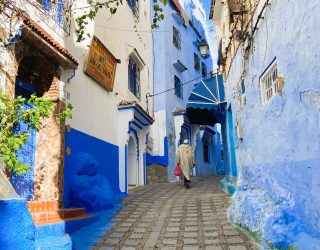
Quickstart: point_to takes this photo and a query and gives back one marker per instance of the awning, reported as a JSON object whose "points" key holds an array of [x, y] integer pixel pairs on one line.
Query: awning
{"points": [[206, 104]]}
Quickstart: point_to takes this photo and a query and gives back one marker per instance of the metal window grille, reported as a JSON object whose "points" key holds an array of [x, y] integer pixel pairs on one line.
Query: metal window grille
{"points": [[178, 87], [134, 5], [134, 78], [204, 71], [197, 62], [269, 84], [241, 93], [176, 38], [57, 11]]}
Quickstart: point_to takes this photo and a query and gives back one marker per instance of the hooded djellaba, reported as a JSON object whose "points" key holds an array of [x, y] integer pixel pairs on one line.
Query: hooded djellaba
{"points": [[185, 159]]}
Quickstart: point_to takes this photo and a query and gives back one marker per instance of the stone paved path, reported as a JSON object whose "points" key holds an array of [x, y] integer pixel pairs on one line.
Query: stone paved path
{"points": [[168, 216]]}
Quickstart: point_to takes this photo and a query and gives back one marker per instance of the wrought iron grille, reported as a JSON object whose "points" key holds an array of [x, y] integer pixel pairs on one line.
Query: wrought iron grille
{"points": [[134, 78], [176, 38], [134, 5], [196, 59], [178, 87], [58, 10], [204, 71]]}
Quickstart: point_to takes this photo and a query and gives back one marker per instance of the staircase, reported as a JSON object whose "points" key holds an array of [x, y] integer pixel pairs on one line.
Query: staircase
{"points": [[49, 212], [53, 223]]}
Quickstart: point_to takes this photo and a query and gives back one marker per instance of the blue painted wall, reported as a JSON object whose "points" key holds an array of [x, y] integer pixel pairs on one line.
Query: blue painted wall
{"points": [[165, 54], [159, 159], [278, 190], [215, 164], [106, 155], [17, 230]]}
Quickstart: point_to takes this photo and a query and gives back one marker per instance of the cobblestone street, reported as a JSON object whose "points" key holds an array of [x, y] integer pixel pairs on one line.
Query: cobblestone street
{"points": [[168, 216]]}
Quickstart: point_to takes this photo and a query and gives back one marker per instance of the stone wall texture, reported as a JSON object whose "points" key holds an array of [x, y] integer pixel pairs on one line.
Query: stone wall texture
{"points": [[277, 197], [48, 181], [157, 174]]}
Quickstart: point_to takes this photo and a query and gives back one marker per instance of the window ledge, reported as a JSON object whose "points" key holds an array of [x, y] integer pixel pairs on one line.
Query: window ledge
{"points": [[180, 66]]}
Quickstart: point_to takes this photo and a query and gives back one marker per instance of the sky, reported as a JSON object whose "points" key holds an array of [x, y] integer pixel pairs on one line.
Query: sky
{"points": [[206, 5]]}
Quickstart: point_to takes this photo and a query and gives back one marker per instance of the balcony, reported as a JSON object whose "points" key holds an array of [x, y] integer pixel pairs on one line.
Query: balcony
{"points": [[56, 13]]}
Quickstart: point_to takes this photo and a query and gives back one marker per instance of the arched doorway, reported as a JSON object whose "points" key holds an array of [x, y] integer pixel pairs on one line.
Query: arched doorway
{"points": [[30, 80], [132, 164]]}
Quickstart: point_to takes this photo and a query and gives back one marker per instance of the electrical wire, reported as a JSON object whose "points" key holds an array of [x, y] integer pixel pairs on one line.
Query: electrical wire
{"points": [[182, 84]]}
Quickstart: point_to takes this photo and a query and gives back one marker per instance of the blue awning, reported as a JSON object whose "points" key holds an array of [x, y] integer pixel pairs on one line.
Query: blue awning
{"points": [[206, 104]]}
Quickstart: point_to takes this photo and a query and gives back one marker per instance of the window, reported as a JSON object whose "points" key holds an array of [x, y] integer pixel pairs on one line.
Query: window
{"points": [[206, 157], [176, 38], [134, 77], [196, 59], [178, 91], [204, 70], [269, 83], [241, 93], [134, 5]]}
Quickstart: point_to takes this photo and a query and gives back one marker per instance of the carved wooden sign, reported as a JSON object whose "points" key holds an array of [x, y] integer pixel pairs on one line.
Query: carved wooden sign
{"points": [[101, 64]]}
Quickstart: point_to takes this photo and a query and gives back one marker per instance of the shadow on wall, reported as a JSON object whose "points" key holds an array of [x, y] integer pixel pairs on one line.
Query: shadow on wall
{"points": [[90, 189]]}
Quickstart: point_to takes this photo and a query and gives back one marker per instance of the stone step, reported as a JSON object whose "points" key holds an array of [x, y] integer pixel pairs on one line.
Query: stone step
{"points": [[41, 206], [58, 220], [65, 213]]}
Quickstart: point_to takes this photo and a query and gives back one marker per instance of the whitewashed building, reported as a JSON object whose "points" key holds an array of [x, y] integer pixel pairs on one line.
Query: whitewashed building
{"points": [[178, 67], [112, 115]]}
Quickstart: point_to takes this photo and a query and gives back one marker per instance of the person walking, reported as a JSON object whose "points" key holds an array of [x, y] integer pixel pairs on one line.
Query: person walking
{"points": [[186, 160]]}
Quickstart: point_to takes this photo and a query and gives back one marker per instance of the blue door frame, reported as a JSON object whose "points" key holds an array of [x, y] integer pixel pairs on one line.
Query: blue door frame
{"points": [[233, 162], [24, 184]]}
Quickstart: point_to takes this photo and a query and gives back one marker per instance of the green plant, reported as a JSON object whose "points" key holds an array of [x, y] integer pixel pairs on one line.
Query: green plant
{"points": [[112, 6], [12, 112]]}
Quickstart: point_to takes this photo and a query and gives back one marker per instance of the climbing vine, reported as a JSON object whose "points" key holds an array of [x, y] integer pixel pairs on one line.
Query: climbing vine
{"points": [[12, 112], [112, 6]]}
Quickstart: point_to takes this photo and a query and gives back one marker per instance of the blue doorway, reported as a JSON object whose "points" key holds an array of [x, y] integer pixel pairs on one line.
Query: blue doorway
{"points": [[232, 152], [24, 184]]}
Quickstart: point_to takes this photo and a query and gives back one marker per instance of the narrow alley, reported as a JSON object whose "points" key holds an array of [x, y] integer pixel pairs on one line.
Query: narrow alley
{"points": [[168, 216], [108, 107]]}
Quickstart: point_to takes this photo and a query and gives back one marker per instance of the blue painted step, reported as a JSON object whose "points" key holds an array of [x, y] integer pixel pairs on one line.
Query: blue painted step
{"points": [[55, 236], [55, 243]]}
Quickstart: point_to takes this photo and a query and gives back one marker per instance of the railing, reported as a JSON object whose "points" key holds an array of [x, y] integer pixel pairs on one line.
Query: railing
{"points": [[59, 11]]}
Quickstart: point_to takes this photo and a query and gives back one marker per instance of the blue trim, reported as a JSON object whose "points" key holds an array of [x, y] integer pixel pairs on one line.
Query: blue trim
{"points": [[144, 169], [231, 143], [274, 59], [138, 120], [136, 109], [126, 167], [135, 133], [136, 124], [162, 160]]}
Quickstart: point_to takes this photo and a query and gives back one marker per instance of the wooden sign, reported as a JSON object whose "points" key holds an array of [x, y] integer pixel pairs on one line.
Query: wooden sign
{"points": [[101, 64]]}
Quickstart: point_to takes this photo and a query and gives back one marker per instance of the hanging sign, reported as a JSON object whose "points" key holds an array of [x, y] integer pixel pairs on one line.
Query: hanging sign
{"points": [[101, 64]]}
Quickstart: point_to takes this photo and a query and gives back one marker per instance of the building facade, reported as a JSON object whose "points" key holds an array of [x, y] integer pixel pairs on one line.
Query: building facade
{"points": [[272, 117], [177, 68], [111, 119], [101, 152]]}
